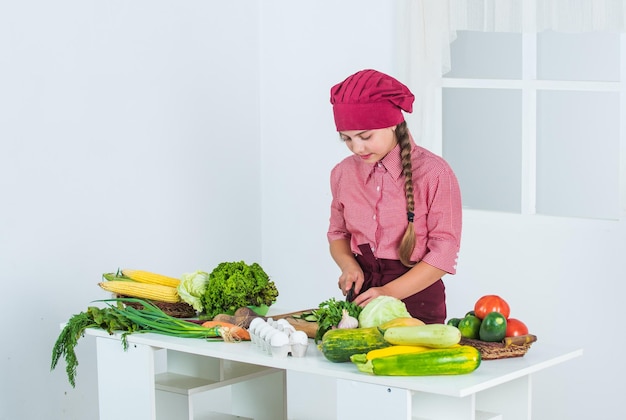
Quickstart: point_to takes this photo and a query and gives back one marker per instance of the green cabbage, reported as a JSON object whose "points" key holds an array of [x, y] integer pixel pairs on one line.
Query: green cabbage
{"points": [[191, 288], [380, 310]]}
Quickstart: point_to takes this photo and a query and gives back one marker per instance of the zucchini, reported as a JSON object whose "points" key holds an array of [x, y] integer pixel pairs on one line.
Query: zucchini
{"points": [[393, 350], [456, 360], [430, 335], [400, 322], [386, 351], [339, 344]]}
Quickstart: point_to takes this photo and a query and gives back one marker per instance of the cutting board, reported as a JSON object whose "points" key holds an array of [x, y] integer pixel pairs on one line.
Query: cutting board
{"points": [[308, 327]]}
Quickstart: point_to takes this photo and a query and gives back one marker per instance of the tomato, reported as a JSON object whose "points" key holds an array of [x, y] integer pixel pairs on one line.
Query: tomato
{"points": [[515, 328], [491, 303]]}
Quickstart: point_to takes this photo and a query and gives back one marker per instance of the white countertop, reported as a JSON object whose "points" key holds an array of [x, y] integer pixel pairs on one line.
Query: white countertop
{"points": [[490, 373]]}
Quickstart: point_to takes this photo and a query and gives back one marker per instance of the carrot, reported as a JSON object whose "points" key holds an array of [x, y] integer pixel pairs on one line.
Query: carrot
{"points": [[229, 331]]}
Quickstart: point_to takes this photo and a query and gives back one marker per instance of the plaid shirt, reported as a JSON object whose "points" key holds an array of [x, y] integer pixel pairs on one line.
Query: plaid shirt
{"points": [[369, 207]]}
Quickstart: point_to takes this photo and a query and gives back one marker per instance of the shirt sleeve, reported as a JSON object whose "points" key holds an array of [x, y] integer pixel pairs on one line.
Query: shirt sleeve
{"points": [[444, 223], [337, 224]]}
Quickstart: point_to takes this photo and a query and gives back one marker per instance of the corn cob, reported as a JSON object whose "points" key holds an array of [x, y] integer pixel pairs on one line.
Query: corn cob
{"points": [[156, 292], [150, 278]]}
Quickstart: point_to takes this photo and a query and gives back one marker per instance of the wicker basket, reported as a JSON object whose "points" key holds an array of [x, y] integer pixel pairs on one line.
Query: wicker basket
{"points": [[509, 347], [177, 310]]}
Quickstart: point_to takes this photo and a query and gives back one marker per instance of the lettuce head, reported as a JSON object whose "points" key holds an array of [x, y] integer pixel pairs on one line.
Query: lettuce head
{"points": [[382, 309], [191, 288], [233, 285]]}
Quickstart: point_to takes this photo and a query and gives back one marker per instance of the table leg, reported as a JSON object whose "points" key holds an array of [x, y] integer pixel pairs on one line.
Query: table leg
{"points": [[125, 380], [443, 407], [358, 400], [512, 399]]}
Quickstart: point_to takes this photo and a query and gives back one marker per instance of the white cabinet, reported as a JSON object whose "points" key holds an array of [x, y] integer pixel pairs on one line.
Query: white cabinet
{"points": [[147, 382], [168, 378]]}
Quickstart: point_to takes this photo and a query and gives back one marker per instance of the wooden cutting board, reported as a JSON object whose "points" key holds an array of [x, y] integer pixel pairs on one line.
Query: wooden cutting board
{"points": [[308, 327]]}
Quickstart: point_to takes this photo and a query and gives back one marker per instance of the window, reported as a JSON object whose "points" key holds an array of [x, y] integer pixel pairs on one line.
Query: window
{"points": [[531, 122]]}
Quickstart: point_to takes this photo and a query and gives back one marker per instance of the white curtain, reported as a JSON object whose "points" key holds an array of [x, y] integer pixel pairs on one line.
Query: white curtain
{"points": [[427, 27]]}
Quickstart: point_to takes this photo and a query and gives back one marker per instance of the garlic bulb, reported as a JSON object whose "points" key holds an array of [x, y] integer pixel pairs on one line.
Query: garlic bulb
{"points": [[347, 321]]}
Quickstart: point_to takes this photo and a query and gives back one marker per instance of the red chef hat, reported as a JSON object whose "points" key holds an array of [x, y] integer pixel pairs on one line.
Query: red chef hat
{"points": [[368, 100]]}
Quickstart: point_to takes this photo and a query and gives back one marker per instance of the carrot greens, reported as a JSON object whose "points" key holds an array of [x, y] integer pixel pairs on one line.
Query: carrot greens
{"points": [[74, 329], [117, 317]]}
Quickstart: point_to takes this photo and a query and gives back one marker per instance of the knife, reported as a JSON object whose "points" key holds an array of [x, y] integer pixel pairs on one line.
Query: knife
{"points": [[350, 295]]}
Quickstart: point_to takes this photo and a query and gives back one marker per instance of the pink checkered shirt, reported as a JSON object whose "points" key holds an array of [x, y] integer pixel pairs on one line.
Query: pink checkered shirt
{"points": [[369, 207]]}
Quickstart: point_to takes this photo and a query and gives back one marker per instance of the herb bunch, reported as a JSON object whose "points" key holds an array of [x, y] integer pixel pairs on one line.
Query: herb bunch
{"points": [[117, 317], [329, 314], [106, 318]]}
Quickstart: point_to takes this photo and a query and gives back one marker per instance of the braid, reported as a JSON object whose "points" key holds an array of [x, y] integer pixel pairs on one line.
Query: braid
{"points": [[408, 240]]}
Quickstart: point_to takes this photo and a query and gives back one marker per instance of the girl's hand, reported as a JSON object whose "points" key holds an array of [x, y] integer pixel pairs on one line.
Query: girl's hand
{"points": [[351, 275], [368, 295]]}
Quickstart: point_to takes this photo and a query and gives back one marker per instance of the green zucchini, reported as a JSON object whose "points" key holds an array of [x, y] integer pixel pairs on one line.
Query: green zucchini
{"points": [[456, 360], [430, 335], [339, 344]]}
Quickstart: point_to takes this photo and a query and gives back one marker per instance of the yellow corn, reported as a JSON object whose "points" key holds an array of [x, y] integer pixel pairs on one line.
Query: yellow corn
{"points": [[151, 278], [142, 290]]}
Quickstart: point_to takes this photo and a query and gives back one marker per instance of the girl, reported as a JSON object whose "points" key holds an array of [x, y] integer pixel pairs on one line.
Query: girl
{"points": [[395, 222]]}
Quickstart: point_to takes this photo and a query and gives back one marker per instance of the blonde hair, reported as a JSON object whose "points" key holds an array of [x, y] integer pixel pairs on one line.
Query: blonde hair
{"points": [[407, 245]]}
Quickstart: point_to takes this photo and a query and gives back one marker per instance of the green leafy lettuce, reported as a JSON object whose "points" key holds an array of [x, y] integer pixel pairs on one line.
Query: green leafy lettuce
{"points": [[191, 288], [233, 285]]}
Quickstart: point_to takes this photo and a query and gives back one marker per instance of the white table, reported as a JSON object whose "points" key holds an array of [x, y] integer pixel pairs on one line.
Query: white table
{"points": [[158, 376]]}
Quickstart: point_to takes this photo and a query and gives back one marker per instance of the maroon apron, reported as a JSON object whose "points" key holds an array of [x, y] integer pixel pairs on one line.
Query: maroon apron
{"points": [[429, 305]]}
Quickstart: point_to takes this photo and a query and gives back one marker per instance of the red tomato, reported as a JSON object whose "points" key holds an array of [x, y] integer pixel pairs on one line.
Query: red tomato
{"points": [[515, 328], [491, 303]]}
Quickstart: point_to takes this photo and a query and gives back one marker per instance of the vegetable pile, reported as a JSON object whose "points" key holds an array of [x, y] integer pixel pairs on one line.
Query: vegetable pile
{"points": [[230, 286], [118, 317], [489, 321], [490, 328], [388, 341], [143, 296]]}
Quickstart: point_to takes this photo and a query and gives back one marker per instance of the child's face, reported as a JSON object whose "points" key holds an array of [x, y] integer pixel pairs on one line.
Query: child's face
{"points": [[370, 145]]}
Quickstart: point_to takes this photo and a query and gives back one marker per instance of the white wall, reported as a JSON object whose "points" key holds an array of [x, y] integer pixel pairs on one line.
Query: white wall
{"points": [[120, 121], [306, 48], [560, 275], [119, 124], [564, 278]]}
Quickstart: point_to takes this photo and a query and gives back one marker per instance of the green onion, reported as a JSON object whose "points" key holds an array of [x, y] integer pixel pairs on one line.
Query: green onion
{"points": [[119, 317], [152, 319]]}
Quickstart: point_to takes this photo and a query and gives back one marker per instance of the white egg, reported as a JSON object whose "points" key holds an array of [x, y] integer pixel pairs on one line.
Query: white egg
{"points": [[279, 339], [298, 337], [289, 329], [262, 329], [255, 323], [267, 334]]}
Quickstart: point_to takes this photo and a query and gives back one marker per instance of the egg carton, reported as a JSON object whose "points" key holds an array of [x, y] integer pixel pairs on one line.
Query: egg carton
{"points": [[278, 338]]}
